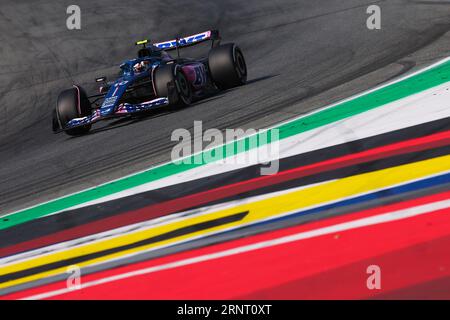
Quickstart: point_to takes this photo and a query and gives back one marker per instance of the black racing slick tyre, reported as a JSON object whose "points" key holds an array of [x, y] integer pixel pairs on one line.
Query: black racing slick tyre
{"points": [[169, 81], [72, 103], [227, 66]]}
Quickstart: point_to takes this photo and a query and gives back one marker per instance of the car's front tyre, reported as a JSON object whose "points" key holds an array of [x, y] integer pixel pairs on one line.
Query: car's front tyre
{"points": [[72, 103]]}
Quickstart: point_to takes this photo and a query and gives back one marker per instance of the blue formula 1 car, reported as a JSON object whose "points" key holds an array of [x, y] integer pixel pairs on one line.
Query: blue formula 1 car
{"points": [[153, 80]]}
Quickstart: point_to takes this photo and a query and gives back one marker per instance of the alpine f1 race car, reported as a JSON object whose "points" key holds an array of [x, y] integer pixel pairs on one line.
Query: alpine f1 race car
{"points": [[153, 80]]}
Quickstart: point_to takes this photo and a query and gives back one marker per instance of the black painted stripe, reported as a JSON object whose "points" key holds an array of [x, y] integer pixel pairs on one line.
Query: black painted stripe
{"points": [[162, 237]]}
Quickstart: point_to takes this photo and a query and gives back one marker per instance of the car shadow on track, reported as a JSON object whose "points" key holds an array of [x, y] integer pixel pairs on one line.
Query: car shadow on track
{"points": [[251, 81]]}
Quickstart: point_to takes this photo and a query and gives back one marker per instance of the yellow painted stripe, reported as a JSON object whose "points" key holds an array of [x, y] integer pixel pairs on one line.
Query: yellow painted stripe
{"points": [[258, 210]]}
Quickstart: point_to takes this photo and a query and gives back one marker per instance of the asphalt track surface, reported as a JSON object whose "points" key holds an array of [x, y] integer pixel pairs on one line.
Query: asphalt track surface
{"points": [[301, 55]]}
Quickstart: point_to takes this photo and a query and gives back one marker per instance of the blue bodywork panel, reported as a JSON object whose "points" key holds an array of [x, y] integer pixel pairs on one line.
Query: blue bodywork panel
{"points": [[129, 76]]}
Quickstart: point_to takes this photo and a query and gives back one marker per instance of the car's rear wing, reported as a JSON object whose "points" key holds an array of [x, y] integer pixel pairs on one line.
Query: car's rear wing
{"points": [[211, 35]]}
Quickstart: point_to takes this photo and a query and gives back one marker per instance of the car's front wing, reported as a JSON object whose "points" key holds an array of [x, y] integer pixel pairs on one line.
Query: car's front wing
{"points": [[123, 110]]}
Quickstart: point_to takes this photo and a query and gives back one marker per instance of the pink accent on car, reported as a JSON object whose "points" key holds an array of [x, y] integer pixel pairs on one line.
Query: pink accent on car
{"points": [[195, 74]]}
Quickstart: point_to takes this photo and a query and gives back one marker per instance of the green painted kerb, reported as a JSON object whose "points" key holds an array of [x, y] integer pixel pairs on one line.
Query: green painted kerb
{"points": [[417, 83]]}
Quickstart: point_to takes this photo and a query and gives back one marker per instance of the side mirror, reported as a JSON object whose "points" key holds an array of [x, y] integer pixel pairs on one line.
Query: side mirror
{"points": [[104, 87], [101, 79]]}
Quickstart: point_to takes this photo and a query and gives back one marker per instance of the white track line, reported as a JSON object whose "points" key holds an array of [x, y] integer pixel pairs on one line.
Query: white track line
{"points": [[146, 225]]}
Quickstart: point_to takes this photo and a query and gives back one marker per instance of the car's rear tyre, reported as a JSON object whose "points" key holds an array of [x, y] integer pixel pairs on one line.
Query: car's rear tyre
{"points": [[169, 81], [227, 66], [72, 103]]}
